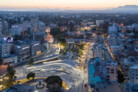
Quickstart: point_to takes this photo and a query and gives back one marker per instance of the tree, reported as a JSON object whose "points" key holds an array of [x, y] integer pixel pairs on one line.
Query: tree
{"points": [[62, 51], [10, 75], [125, 46], [71, 26], [80, 52], [81, 46], [53, 80], [120, 77], [54, 84], [88, 34], [62, 42], [55, 31], [14, 78], [10, 71], [86, 31], [30, 75]]}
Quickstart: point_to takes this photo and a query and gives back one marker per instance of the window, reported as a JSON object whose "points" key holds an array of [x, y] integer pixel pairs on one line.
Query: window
{"points": [[112, 70]]}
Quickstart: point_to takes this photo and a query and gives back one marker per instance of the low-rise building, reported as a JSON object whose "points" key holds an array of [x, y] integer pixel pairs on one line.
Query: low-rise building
{"points": [[113, 29], [99, 22], [10, 59], [101, 51], [135, 26], [131, 87], [126, 64], [112, 40], [103, 75], [133, 73], [116, 48]]}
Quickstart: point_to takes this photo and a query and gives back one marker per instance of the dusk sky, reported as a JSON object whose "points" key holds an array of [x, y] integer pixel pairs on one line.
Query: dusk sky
{"points": [[66, 4]]}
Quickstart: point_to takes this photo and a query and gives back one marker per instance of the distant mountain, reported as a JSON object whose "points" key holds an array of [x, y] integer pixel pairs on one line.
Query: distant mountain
{"points": [[127, 8], [120, 9]]}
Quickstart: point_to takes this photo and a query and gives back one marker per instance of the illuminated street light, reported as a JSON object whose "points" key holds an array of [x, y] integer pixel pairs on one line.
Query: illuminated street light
{"points": [[1, 79], [36, 91], [6, 78]]}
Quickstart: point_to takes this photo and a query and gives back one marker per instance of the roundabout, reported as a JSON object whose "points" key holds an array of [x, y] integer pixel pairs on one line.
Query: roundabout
{"points": [[40, 85], [70, 75]]}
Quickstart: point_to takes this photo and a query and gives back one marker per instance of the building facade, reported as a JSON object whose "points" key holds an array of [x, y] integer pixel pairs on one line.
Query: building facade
{"points": [[12, 59], [112, 74], [22, 51], [133, 73], [35, 48], [4, 50], [131, 87]]}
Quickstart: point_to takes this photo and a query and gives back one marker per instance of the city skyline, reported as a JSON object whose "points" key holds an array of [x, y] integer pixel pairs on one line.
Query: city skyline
{"points": [[66, 4], [63, 47]]}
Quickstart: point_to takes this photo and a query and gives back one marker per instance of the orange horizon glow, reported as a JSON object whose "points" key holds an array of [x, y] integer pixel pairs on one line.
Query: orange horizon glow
{"points": [[66, 4]]}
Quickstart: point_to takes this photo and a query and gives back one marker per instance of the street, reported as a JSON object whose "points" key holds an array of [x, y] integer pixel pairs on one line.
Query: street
{"points": [[65, 68]]}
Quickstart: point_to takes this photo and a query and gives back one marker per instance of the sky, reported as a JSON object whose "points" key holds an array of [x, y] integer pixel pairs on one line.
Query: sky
{"points": [[66, 4]]}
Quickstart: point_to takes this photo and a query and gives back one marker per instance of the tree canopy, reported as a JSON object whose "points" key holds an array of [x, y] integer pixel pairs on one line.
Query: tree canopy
{"points": [[30, 75], [53, 80]]}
